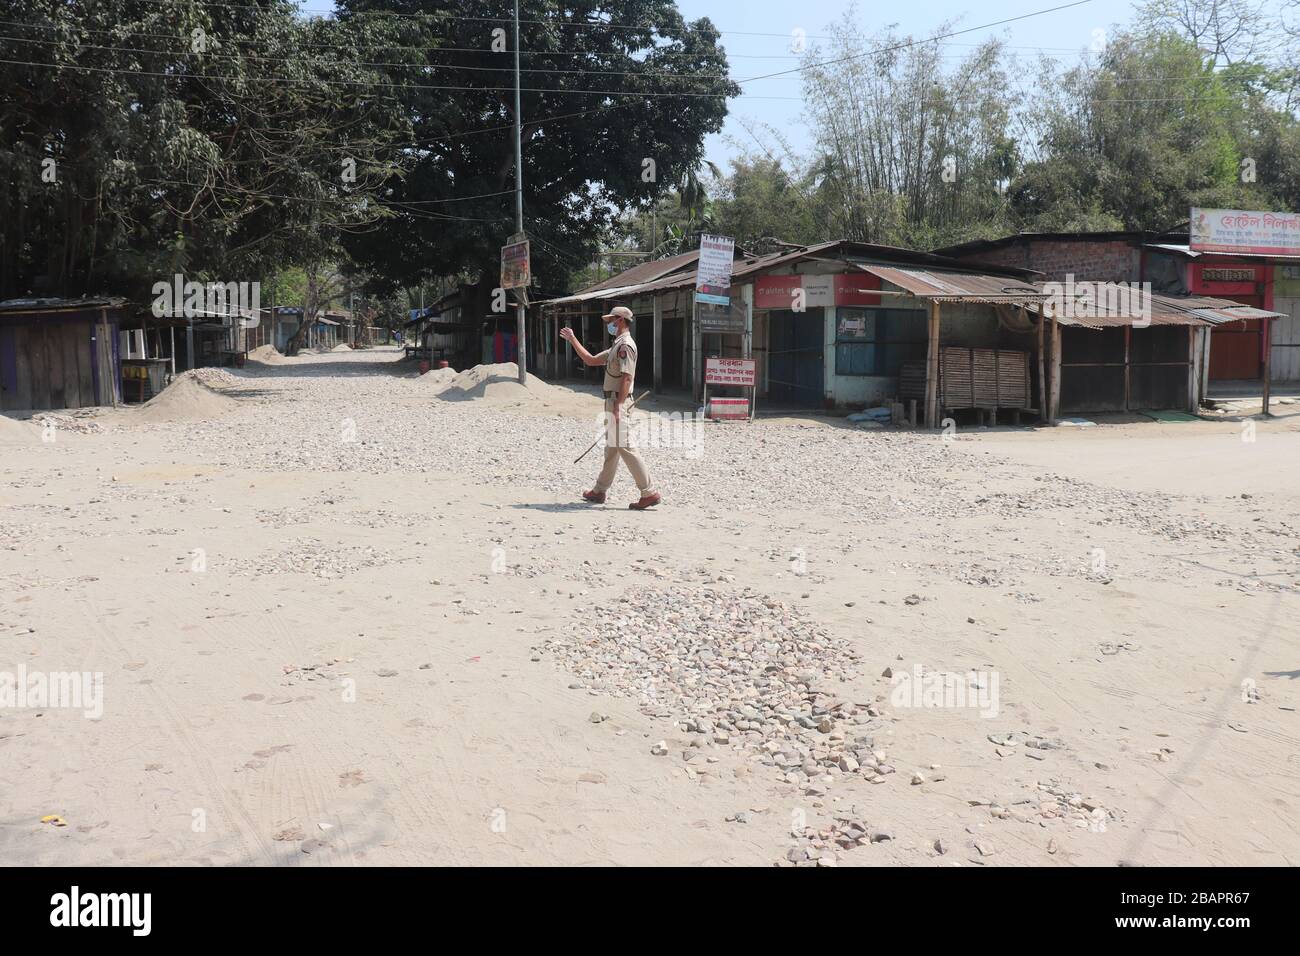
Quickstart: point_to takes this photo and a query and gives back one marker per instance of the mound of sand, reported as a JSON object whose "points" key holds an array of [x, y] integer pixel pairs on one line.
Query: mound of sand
{"points": [[341, 347], [497, 385], [12, 431], [267, 355], [438, 378], [187, 398]]}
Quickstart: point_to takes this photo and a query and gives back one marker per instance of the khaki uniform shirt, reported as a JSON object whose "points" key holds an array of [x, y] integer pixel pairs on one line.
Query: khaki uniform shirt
{"points": [[620, 360]]}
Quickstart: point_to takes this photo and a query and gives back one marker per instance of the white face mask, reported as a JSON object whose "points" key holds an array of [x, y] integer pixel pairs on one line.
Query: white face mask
{"points": [[613, 329]]}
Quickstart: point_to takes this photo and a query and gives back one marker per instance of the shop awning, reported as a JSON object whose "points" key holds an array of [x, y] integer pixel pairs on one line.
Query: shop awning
{"points": [[1187, 251], [936, 286]]}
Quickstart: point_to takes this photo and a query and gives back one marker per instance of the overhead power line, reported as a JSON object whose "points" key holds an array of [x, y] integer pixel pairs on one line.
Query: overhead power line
{"points": [[367, 83], [368, 63], [504, 20]]}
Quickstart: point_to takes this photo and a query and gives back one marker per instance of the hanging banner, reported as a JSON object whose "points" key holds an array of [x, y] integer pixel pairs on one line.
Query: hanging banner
{"points": [[1245, 232], [713, 271], [515, 273]]}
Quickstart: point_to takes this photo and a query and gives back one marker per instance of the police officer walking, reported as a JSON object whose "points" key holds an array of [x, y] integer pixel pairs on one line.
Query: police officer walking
{"points": [[620, 371]]}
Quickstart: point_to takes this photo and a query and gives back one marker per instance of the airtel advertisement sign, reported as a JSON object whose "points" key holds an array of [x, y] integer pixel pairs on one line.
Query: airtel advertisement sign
{"points": [[800, 293]]}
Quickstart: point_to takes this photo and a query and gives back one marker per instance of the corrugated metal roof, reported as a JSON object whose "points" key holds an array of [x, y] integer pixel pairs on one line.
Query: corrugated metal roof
{"points": [[647, 271], [753, 265], [938, 286], [58, 305], [982, 245]]}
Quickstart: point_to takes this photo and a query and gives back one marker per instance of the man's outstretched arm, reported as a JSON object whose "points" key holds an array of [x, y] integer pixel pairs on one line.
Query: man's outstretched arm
{"points": [[566, 333]]}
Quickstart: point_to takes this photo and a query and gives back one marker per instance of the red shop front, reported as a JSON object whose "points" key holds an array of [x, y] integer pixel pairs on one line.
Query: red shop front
{"points": [[1237, 349]]}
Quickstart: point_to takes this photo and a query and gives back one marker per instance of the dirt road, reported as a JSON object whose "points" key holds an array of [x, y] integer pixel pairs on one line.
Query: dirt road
{"points": [[342, 618]]}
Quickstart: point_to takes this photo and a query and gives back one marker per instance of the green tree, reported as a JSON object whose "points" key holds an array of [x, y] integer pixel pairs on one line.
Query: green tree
{"points": [[909, 152], [138, 140], [618, 96], [761, 200], [1134, 139]]}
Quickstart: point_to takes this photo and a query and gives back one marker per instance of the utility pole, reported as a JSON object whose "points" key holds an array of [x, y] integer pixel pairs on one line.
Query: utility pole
{"points": [[521, 352]]}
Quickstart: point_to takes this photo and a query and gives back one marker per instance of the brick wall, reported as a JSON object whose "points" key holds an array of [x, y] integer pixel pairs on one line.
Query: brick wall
{"points": [[1101, 261]]}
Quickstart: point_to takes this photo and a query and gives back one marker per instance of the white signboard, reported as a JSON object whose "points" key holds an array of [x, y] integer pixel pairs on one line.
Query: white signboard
{"points": [[730, 371], [1245, 232], [818, 291], [713, 272]]}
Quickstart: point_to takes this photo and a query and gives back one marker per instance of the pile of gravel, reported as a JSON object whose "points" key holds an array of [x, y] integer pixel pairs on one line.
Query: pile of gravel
{"points": [[734, 669]]}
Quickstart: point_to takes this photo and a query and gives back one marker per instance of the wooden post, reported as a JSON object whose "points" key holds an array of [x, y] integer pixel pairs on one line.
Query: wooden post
{"points": [[1268, 360], [1042, 364], [1191, 369], [1207, 343], [747, 300], [114, 370], [697, 349], [932, 371], [1128, 340], [1054, 405], [659, 344]]}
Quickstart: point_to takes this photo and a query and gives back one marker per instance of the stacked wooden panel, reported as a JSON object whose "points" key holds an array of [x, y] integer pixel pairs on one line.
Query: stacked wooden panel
{"points": [[1001, 378], [983, 378], [956, 385]]}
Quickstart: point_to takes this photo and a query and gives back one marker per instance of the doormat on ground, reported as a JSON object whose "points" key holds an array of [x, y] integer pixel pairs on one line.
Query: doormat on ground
{"points": [[1170, 415]]}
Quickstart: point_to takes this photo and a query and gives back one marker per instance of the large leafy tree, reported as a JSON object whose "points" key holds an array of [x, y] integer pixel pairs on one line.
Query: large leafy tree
{"points": [[1134, 138], [140, 139], [617, 97]]}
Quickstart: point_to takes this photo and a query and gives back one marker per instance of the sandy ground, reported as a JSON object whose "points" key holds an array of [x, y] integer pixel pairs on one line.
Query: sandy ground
{"points": [[343, 619]]}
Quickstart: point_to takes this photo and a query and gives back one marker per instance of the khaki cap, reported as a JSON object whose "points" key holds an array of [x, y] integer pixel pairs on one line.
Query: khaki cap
{"points": [[620, 312]]}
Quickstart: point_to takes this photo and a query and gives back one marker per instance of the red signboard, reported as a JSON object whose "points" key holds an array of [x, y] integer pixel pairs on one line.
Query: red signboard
{"points": [[775, 292], [849, 289], [730, 371], [1233, 279]]}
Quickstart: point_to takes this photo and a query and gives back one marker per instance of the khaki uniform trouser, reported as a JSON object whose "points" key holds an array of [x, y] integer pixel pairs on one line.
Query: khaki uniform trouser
{"points": [[618, 444]]}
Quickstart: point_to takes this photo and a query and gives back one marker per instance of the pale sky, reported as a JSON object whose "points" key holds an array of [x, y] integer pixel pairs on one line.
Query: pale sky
{"points": [[757, 35], [1064, 34]]}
